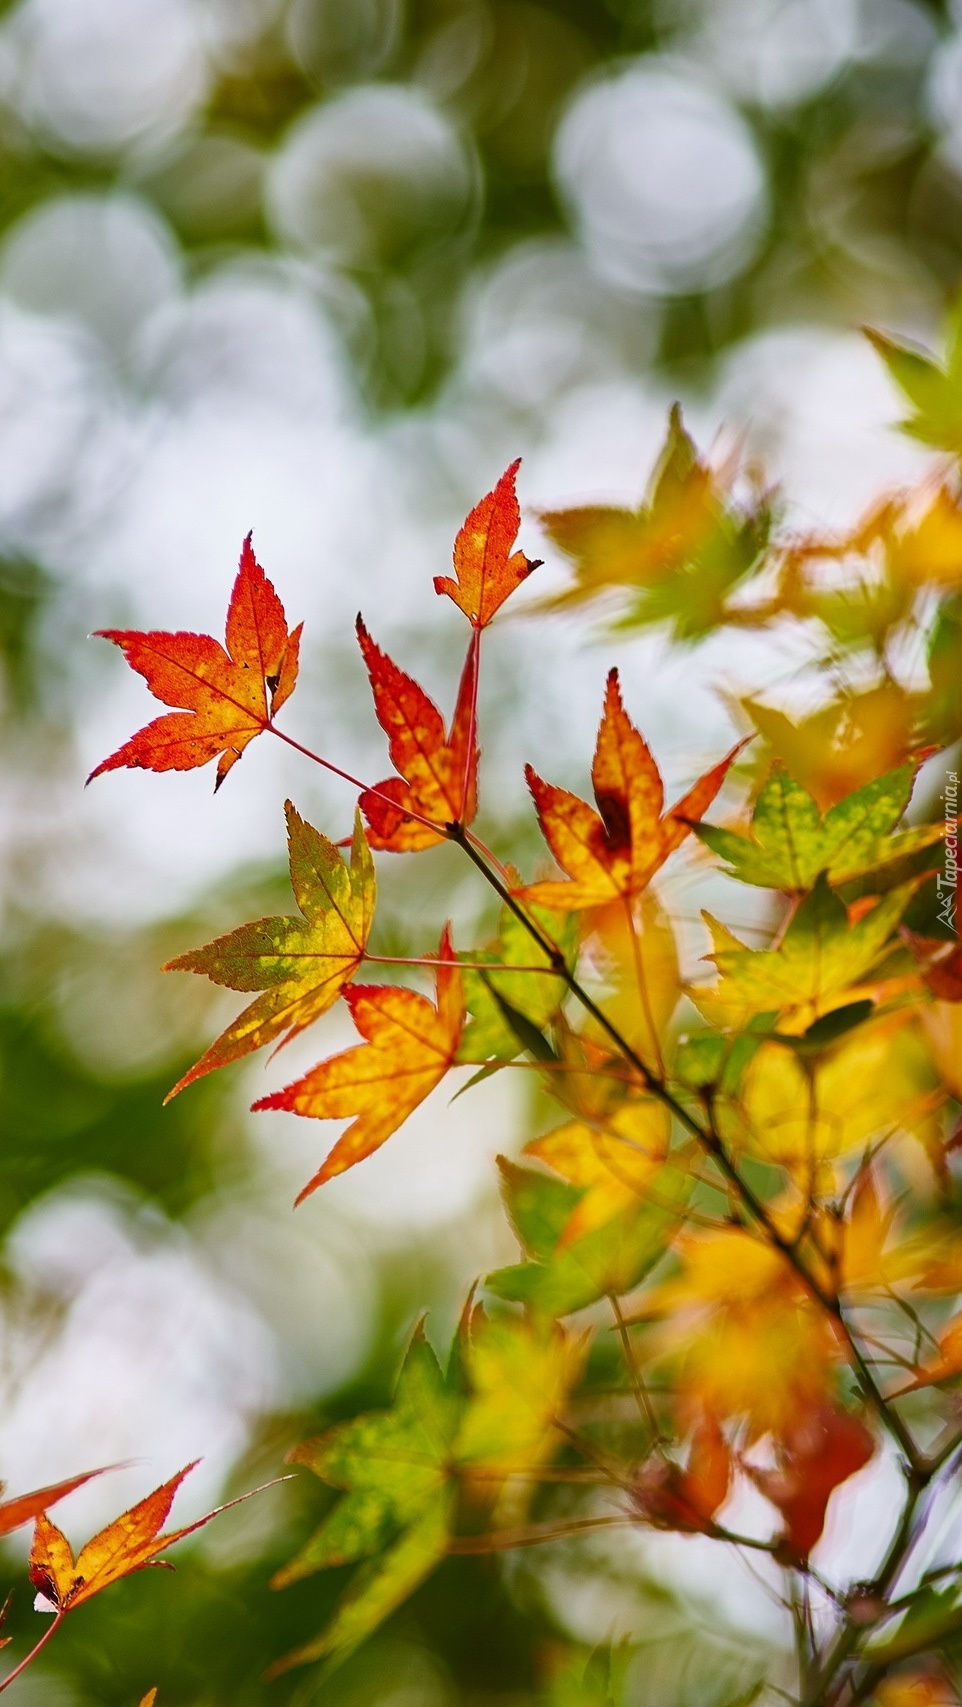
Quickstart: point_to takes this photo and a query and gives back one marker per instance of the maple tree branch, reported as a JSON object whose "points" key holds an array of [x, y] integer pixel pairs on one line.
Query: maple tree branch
{"points": [[503, 1540], [355, 782], [711, 1141], [18, 1671], [642, 1396]]}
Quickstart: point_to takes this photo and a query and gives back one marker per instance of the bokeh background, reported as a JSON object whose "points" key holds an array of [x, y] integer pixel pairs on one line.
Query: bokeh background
{"points": [[322, 268]]}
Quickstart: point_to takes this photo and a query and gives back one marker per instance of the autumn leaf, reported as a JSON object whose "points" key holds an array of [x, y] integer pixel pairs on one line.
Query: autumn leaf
{"points": [[486, 566], [791, 842], [675, 558], [819, 964], [815, 1454], [300, 963], [842, 745], [519, 1373], [742, 1333], [804, 1114], [130, 1543], [394, 1469], [25, 1507], [594, 1232], [669, 1497], [615, 851], [223, 694], [438, 779], [409, 1045]]}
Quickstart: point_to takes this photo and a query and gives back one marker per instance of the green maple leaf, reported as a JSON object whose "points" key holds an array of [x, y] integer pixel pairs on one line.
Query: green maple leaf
{"points": [[821, 957], [791, 842], [677, 556], [607, 1260], [300, 963], [935, 392], [394, 1468]]}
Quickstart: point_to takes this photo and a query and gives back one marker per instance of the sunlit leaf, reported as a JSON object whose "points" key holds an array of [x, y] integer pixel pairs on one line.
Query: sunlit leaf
{"points": [[486, 566], [438, 774], [409, 1045], [300, 963], [223, 694], [615, 851], [791, 842]]}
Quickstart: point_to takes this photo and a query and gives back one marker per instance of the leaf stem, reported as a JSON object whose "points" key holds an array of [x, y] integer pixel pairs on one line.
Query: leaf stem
{"points": [[48, 1634], [355, 782]]}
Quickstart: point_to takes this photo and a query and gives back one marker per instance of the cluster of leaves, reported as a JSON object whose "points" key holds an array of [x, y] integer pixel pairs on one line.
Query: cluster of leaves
{"points": [[739, 1260]]}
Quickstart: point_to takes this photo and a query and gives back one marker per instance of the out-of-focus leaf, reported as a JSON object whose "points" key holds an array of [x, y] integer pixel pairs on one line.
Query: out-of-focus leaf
{"points": [[934, 392], [598, 1248], [438, 775], [519, 1373], [815, 1455], [301, 964], [392, 1466], [819, 965], [677, 557], [224, 694], [791, 842]]}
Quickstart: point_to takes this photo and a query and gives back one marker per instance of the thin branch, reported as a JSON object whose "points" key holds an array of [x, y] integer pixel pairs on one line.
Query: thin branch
{"points": [[18, 1671]]}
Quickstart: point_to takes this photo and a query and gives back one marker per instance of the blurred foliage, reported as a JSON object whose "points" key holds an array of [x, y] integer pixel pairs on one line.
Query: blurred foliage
{"points": [[863, 223]]}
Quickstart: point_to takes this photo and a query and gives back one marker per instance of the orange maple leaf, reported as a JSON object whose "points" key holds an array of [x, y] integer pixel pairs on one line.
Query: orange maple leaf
{"points": [[487, 568], [616, 850], [223, 694], [410, 1044], [26, 1507], [672, 1498], [301, 964], [131, 1543], [438, 781]]}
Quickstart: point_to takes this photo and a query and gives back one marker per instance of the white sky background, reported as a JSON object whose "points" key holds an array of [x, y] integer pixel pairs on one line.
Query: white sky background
{"points": [[146, 425]]}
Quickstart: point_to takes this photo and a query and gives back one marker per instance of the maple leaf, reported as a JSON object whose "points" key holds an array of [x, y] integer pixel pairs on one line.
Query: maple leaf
{"points": [[816, 967], [747, 1341], [25, 1507], [519, 1373], [670, 1497], [616, 850], [848, 742], [300, 963], [394, 1469], [934, 392], [409, 1045], [486, 566], [819, 1450], [223, 694], [598, 1229], [804, 1113], [130, 1543], [791, 842], [677, 556], [438, 778]]}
